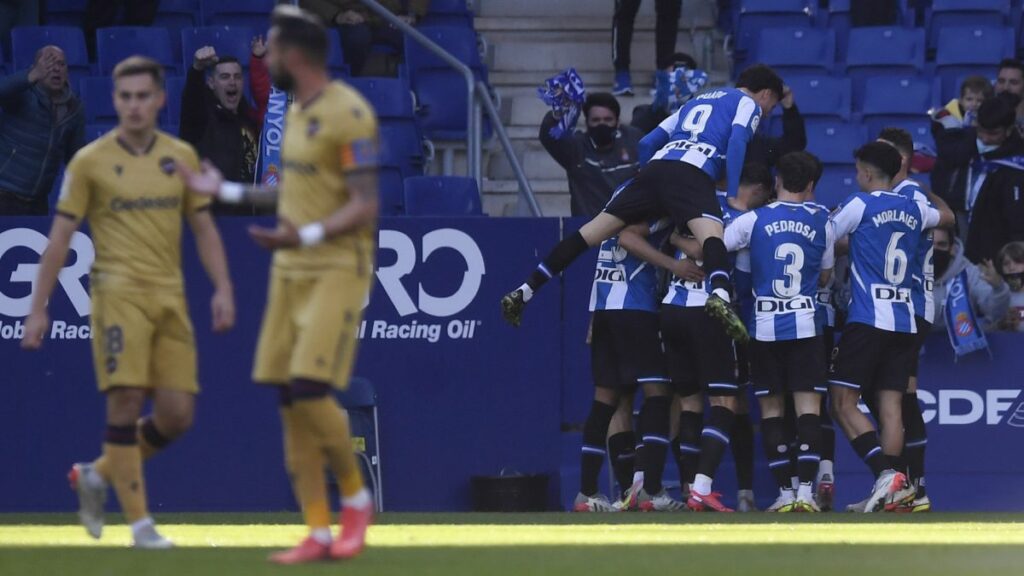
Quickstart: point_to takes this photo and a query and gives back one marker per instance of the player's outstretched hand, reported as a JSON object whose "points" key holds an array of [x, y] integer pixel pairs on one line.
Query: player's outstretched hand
{"points": [[688, 270], [223, 308], [35, 328], [284, 236], [206, 182]]}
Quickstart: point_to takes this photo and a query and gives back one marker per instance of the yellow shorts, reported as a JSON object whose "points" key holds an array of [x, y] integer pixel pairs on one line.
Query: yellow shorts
{"points": [[143, 340], [310, 327]]}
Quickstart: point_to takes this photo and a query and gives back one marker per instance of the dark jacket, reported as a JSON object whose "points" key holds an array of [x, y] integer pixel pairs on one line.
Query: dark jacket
{"points": [[33, 141], [216, 132], [593, 174], [954, 149], [998, 214]]}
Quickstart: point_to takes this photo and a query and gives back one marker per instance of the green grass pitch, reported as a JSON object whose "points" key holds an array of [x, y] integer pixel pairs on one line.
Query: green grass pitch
{"points": [[553, 543]]}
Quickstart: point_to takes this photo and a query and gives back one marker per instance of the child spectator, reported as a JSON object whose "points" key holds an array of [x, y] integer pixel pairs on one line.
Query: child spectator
{"points": [[963, 111], [1011, 265]]}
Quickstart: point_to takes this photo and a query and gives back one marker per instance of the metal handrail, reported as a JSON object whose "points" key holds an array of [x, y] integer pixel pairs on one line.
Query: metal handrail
{"points": [[525, 191]]}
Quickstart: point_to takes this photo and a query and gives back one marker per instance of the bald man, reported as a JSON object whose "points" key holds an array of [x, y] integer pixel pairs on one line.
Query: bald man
{"points": [[42, 124]]}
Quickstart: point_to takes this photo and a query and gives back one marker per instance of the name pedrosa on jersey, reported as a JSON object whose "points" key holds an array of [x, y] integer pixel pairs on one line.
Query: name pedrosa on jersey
{"points": [[801, 228]]}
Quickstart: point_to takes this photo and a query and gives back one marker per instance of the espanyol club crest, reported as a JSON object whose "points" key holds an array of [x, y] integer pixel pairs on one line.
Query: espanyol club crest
{"points": [[167, 165], [270, 175], [963, 324]]}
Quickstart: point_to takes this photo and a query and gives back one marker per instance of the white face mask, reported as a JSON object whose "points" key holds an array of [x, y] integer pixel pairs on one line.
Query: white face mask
{"points": [[985, 148]]}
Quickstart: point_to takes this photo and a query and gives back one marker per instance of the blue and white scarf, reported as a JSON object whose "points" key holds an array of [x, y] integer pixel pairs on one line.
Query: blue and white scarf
{"points": [[269, 165], [565, 94], [965, 333]]}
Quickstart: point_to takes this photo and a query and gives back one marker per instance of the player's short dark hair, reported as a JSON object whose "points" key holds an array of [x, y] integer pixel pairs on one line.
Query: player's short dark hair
{"points": [[998, 112], [819, 168], [760, 77], [300, 29], [137, 65], [756, 174], [976, 84], [682, 59], [797, 170], [899, 138], [602, 99], [1011, 63], [883, 157]]}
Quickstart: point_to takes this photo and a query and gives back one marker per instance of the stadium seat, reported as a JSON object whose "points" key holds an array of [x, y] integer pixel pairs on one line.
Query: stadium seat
{"points": [[253, 14], [836, 184], [756, 15], [883, 51], [834, 142], [888, 100], [391, 97], [401, 144], [335, 57], [97, 96], [945, 13], [964, 50], [231, 40], [360, 401], [920, 130], [448, 13], [392, 190], [176, 15], [115, 44], [65, 12], [27, 40], [442, 196], [94, 131], [821, 96], [797, 50], [172, 110]]}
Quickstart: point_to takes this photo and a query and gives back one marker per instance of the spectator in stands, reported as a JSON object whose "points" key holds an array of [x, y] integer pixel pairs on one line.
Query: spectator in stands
{"points": [[218, 120], [1011, 79], [104, 13], [361, 28], [990, 295], [667, 98], [597, 161], [963, 111], [42, 123], [767, 150], [666, 29], [1011, 264]]}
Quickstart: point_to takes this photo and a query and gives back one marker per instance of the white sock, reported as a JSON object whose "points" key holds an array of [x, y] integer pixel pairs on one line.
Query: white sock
{"points": [[787, 493], [795, 481], [721, 293], [638, 476], [139, 525], [804, 491], [321, 535], [825, 467], [360, 500], [702, 484], [527, 292]]}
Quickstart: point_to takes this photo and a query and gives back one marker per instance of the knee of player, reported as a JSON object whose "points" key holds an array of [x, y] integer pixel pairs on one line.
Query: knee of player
{"points": [[177, 422], [124, 405]]}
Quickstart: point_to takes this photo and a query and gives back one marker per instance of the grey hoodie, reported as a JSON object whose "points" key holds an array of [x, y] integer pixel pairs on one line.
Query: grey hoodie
{"points": [[990, 304]]}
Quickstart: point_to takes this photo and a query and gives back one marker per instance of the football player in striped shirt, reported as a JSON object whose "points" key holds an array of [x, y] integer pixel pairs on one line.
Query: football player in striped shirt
{"points": [[878, 345], [791, 248]]}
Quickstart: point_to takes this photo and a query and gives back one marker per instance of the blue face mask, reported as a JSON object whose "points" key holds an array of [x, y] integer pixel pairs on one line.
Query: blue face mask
{"points": [[985, 148]]}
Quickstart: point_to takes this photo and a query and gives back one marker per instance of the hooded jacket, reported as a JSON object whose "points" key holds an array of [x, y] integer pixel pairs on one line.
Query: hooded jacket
{"points": [[990, 304], [998, 213], [36, 135]]}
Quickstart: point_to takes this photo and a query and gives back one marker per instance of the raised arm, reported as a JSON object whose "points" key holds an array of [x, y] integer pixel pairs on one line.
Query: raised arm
{"points": [[634, 240]]}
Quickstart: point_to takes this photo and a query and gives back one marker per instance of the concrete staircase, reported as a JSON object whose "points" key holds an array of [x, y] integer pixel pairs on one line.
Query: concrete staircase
{"points": [[531, 40]]}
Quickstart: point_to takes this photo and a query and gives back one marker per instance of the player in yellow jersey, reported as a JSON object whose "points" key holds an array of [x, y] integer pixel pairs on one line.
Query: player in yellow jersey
{"points": [[124, 184], [323, 264]]}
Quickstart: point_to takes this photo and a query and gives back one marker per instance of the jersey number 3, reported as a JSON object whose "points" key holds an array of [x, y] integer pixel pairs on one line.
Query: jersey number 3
{"points": [[792, 256]]}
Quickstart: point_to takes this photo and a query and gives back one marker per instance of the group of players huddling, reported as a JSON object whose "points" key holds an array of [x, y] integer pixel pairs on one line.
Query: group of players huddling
{"points": [[775, 325]]}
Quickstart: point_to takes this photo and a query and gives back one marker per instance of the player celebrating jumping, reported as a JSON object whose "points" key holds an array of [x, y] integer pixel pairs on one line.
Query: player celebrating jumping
{"points": [[321, 275]]}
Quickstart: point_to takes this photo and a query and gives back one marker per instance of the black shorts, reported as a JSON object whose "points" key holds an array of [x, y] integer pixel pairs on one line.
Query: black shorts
{"points": [[670, 188], [742, 363], [700, 355], [869, 359], [924, 328], [625, 350], [787, 366]]}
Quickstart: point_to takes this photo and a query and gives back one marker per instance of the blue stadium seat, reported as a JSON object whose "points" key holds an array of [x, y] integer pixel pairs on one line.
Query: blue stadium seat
{"points": [[115, 44], [920, 130], [335, 56], [834, 142], [837, 17], [442, 196], [836, 185], [400, 140], [797, 50], [176, 15], [966, 50], [756, 15], [172, 110], [448, 13], [401, 146], [945, 13], [27, 40], [65, 12], [883, 51], [821, 96], [890, 99], [97, 96], [94, 131], [391, 97], [254, 14], [227, 40], [392, 190]]}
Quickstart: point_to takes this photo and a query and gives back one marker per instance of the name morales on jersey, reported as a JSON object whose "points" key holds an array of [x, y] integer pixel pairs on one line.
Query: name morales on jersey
{"points": [[119, 204], [898, 216], [800, 228]]}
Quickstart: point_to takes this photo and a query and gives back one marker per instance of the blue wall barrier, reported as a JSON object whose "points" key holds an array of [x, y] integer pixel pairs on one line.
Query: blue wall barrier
{"points": [[460, 392]]}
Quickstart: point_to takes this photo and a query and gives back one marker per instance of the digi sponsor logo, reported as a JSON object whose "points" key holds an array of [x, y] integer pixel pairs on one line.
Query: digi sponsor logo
{"points": [[446, 308], [16, 289]]}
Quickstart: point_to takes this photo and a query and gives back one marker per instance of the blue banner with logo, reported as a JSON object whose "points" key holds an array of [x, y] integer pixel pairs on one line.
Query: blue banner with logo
{"points": [[965, 334], [268, 167]]}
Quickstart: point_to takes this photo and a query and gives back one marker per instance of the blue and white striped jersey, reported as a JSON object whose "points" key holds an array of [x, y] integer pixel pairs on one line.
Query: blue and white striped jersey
{"points": [[826, 310], [740, 260], [790, 244], [700, 131], [922, 270], [885, 230], [624, 282]]}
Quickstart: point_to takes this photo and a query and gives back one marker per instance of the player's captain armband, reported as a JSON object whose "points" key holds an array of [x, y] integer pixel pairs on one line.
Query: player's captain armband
{"points": [[361, 153]]}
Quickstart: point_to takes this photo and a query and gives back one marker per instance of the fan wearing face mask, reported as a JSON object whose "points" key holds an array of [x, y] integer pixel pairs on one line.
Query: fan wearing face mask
{"points": [[1011, 264], [990, 293], [597, 160]]}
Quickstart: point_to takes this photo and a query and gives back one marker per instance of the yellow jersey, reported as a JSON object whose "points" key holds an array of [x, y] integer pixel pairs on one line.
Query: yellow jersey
{"points": [[134, 204], [331, 136]]}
